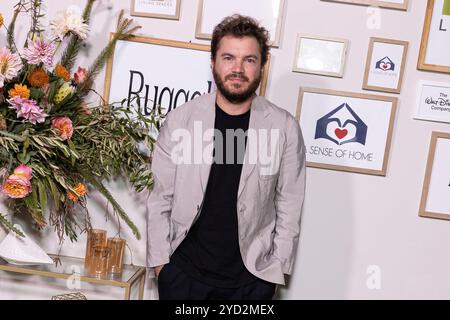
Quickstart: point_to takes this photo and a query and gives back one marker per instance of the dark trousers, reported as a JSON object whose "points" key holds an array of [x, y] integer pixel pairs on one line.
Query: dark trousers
{"points": [[175, 284]]}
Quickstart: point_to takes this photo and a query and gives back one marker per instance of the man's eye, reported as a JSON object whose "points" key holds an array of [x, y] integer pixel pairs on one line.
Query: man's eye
{"points": [[251, 60]]}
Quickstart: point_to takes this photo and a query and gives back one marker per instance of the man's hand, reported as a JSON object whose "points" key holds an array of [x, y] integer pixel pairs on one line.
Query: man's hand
{"points": [[158, 270]]}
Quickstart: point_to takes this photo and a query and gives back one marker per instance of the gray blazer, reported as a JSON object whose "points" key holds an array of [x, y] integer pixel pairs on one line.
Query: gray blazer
{"points": [[270, 195]]}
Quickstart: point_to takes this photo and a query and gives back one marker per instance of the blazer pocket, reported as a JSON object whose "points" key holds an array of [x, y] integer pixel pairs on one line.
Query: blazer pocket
{"points": [[268, 176]]}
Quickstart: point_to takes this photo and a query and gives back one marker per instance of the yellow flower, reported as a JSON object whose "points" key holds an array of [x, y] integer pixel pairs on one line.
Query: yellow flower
{"points": [[64, 91], [62, 72], [1, 20], [19, 90], [80, 190], [38, 78]]}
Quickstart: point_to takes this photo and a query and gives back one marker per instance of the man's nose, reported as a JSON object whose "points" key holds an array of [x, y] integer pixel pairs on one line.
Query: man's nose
{"points": [[238, 66]]}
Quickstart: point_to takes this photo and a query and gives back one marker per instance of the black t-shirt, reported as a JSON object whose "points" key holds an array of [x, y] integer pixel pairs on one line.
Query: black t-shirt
{"points": [[210, 252]]}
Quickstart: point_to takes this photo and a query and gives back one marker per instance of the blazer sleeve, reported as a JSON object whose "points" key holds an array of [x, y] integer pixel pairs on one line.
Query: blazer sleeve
{"points": [[161, 196], [289, 196]]}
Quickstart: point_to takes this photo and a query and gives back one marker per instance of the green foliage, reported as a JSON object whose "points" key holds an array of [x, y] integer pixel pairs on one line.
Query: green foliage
{"points": [[106, 141]]}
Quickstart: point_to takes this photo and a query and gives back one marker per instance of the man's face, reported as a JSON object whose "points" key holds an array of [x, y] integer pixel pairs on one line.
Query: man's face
{"points": [[237, 68]]}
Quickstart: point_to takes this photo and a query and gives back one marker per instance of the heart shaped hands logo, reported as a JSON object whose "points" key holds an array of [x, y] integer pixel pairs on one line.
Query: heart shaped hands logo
{"points": [[385, 64], [342, 125]]}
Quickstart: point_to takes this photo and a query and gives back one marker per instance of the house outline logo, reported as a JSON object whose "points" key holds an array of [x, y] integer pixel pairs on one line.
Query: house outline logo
{"points": [[385, 64], [341, 132]]}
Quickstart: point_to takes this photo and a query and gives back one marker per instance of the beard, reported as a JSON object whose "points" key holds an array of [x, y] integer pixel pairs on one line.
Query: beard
{"points": [[239, 96]]}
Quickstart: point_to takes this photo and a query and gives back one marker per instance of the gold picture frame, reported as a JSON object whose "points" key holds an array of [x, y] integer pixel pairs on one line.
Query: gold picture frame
{"points": [[431, 185], [206, 19], [321, 55], [386, 73], [377, 3], [173, 15], [316, 106], [426, 46]]}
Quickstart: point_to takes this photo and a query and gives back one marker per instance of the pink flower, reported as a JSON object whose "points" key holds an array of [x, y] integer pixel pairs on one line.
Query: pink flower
{"points": [[10, 65], [27, 109], [80, 75], [24, 171], [39, 52], [17, 186], [64, 126]]}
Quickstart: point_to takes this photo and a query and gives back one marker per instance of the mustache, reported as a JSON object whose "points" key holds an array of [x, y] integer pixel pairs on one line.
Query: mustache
{"points": [[236, 75]]}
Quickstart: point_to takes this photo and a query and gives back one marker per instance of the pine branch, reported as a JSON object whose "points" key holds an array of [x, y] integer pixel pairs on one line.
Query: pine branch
{"points": [[10, 226], [101, 188], [123, 32], [10, 33], [35, 6], [70, 54]]}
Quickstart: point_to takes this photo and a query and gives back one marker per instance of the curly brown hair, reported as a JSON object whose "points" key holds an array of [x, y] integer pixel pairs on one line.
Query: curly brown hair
{"points": [[241, 26]]}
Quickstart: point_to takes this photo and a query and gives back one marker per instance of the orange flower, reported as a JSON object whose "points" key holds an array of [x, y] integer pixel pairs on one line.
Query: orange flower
{"points": [[19, 90], [80, 189], [1, 20], [17, 186], [38, 78], [62, 72], [64, 126]]}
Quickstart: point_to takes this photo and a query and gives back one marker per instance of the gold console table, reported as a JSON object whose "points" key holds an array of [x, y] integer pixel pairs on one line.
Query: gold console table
{"points": [[127, 279]]}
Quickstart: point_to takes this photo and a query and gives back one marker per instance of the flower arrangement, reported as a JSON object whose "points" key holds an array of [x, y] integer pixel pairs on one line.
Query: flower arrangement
{"points": [[53, 146]]}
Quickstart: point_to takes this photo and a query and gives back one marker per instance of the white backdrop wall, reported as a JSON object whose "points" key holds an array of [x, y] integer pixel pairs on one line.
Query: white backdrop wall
{"points": [[356, 228]]}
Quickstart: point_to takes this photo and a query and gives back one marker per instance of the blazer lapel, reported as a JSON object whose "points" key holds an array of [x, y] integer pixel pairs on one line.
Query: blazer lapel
{"points": [[258, 113], [207, 115]]}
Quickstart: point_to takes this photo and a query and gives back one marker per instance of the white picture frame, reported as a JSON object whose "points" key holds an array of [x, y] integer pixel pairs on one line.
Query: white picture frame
{"points": [[267, 12], [433, 101], [162, 9], [176, 73], [435, 44], [320, 55], [385, 65], [388, 4], [346, 131], [434, 202]]}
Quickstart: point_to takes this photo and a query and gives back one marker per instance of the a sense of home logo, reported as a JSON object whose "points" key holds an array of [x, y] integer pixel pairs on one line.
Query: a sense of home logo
{"points": [[342, 125], [385, 64]]}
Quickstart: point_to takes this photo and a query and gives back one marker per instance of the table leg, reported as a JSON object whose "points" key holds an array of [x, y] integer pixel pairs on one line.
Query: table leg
{"points": [[141, 287], [127, 293]]}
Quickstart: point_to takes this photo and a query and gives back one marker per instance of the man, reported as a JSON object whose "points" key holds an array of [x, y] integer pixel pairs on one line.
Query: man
{"points": [[224, 218]]}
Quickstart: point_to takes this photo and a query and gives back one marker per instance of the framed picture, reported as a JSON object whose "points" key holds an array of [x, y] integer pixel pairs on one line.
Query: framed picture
{"points": [[433, 101], [164, 9], [436, 186], [390, 4], [320, 55], [268, 12], [435, 45], [346, 131], [385, 65], [153, 72]]}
